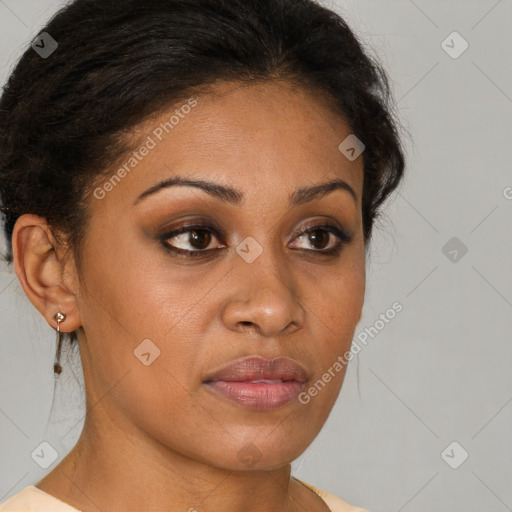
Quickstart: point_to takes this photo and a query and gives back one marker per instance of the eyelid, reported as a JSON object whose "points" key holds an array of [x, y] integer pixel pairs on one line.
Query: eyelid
{"points": [[343, 235], [206, 224], [201, 224], [333, 226]]}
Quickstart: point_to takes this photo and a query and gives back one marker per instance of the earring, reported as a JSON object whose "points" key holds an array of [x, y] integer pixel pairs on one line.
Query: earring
{"points": [[57, 368]]}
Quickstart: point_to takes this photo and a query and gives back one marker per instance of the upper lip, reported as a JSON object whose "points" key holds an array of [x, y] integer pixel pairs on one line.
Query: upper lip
{"points": [[255, 367]]}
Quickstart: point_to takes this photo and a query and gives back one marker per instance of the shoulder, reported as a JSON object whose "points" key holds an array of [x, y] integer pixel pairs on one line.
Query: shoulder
{"points": [[32, 499], [333, 502]]}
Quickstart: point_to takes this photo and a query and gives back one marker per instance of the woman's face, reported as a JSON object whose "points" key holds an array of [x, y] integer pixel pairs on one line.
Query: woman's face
{"points": [[157, 324]]}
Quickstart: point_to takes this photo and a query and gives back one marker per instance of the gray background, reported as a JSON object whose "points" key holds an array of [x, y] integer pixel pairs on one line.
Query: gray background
{"points": [[438, 372]]}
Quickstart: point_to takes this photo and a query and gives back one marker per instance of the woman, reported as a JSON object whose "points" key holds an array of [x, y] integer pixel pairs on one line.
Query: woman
{"points": [[193, 207]]}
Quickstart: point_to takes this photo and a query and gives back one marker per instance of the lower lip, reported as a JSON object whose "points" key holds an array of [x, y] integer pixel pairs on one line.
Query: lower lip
{"points": [[259, 395]]}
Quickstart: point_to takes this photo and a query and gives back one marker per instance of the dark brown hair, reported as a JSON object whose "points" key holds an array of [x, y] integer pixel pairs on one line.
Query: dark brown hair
{"points": [[62, 117]]}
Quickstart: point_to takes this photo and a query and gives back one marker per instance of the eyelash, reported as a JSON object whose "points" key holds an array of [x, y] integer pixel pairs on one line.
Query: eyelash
{"points": [[343, 236]]}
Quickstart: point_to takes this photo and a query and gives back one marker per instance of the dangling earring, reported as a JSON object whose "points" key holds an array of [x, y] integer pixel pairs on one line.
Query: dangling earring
{"points": [[57, 368]]}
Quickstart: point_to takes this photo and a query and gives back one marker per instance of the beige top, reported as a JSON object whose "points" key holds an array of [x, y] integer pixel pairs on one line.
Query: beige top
{"points": [[33, 499]]}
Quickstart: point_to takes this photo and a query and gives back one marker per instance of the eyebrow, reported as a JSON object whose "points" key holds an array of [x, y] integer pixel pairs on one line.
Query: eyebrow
{"points": [[235, 197]]}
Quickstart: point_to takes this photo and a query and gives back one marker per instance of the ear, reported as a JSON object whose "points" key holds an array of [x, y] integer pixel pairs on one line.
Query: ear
{"points": [[49, 279]]}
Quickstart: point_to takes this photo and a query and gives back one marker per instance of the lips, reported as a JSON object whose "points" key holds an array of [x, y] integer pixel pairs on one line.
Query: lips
{"points": [[253, 368], [258, 383]]}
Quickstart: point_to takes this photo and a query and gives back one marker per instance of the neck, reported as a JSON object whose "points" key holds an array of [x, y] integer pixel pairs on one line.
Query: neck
{"points": [[112, 469]]}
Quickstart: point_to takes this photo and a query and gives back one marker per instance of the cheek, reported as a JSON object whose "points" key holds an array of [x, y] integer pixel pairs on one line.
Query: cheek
{"points": [[137, 288], [334, 312], [141, 305], [337, 300]]}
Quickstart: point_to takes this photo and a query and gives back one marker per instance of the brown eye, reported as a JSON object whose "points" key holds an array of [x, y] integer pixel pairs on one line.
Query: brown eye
{"points": [[192, 240], [200, 239], [319, 238], [197, 240], [322, 238]]}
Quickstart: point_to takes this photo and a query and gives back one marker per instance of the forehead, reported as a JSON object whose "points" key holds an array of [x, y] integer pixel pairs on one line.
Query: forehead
{"points": [[271, 137]]}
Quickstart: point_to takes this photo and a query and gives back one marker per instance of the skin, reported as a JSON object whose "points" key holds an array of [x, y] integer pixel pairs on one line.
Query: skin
{"points": [[158, 427]]}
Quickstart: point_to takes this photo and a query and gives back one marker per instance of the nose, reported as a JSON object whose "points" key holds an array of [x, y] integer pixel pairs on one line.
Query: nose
{"points": [[264, 298]]}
